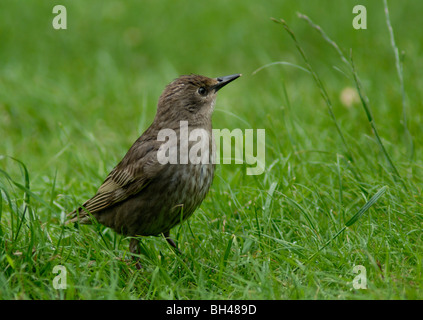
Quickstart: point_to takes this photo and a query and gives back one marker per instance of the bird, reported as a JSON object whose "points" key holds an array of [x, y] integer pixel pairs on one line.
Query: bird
{"points": [[146, 196]]}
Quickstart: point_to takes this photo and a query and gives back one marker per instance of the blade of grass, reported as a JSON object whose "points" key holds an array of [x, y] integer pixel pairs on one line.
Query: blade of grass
{"points": [[269, 200], [26, 207], [321, 87], [325, 37], [349, 223], [1, 212], [24, 188], [26, 178], [370, 118], [366, 207], [363, 98], [399, 68], [12, 211], [224, 259], [304, 212], [280, 62]]}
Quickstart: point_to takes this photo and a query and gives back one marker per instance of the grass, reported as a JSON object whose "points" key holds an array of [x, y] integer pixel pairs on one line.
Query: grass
{"points": [[342, 181]]}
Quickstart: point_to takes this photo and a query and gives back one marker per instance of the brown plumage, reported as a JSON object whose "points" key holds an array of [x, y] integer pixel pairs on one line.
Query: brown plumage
{"points": [[142, 196]]}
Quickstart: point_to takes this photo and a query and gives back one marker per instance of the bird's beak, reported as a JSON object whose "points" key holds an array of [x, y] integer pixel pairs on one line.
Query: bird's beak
{"points": [[223, 81]]}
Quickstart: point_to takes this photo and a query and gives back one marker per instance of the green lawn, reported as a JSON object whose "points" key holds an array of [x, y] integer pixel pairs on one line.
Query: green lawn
{"points": [[73, 101]]}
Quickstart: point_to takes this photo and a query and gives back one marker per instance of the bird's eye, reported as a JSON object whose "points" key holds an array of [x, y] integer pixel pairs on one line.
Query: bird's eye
{"points": [[202, 91]]}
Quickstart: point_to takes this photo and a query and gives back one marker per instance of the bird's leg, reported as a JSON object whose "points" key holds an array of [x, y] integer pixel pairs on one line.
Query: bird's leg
{"points": [[134, 247], [170, 241]]}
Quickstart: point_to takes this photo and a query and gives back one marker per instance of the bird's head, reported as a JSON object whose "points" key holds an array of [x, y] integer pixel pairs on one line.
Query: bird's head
{"points": [[190, 98]]}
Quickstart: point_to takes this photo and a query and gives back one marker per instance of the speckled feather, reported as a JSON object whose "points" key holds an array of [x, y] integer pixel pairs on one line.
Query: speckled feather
{"points": [[141, 196]]}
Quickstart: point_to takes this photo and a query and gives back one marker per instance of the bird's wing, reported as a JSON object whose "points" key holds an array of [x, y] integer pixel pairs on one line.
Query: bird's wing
{"points": [[119, 185], [129, 177]]}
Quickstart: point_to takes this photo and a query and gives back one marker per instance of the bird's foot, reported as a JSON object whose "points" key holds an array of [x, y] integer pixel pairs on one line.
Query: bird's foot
{"points": [[134, 247], [171, 242]]}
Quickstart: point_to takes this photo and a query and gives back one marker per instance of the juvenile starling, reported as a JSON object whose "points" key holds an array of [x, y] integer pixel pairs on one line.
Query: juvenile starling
{"points": [[145, 196]]}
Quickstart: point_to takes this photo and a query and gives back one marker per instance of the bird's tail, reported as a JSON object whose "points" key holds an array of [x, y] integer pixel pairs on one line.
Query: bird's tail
{"points": [[80, 215]]}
